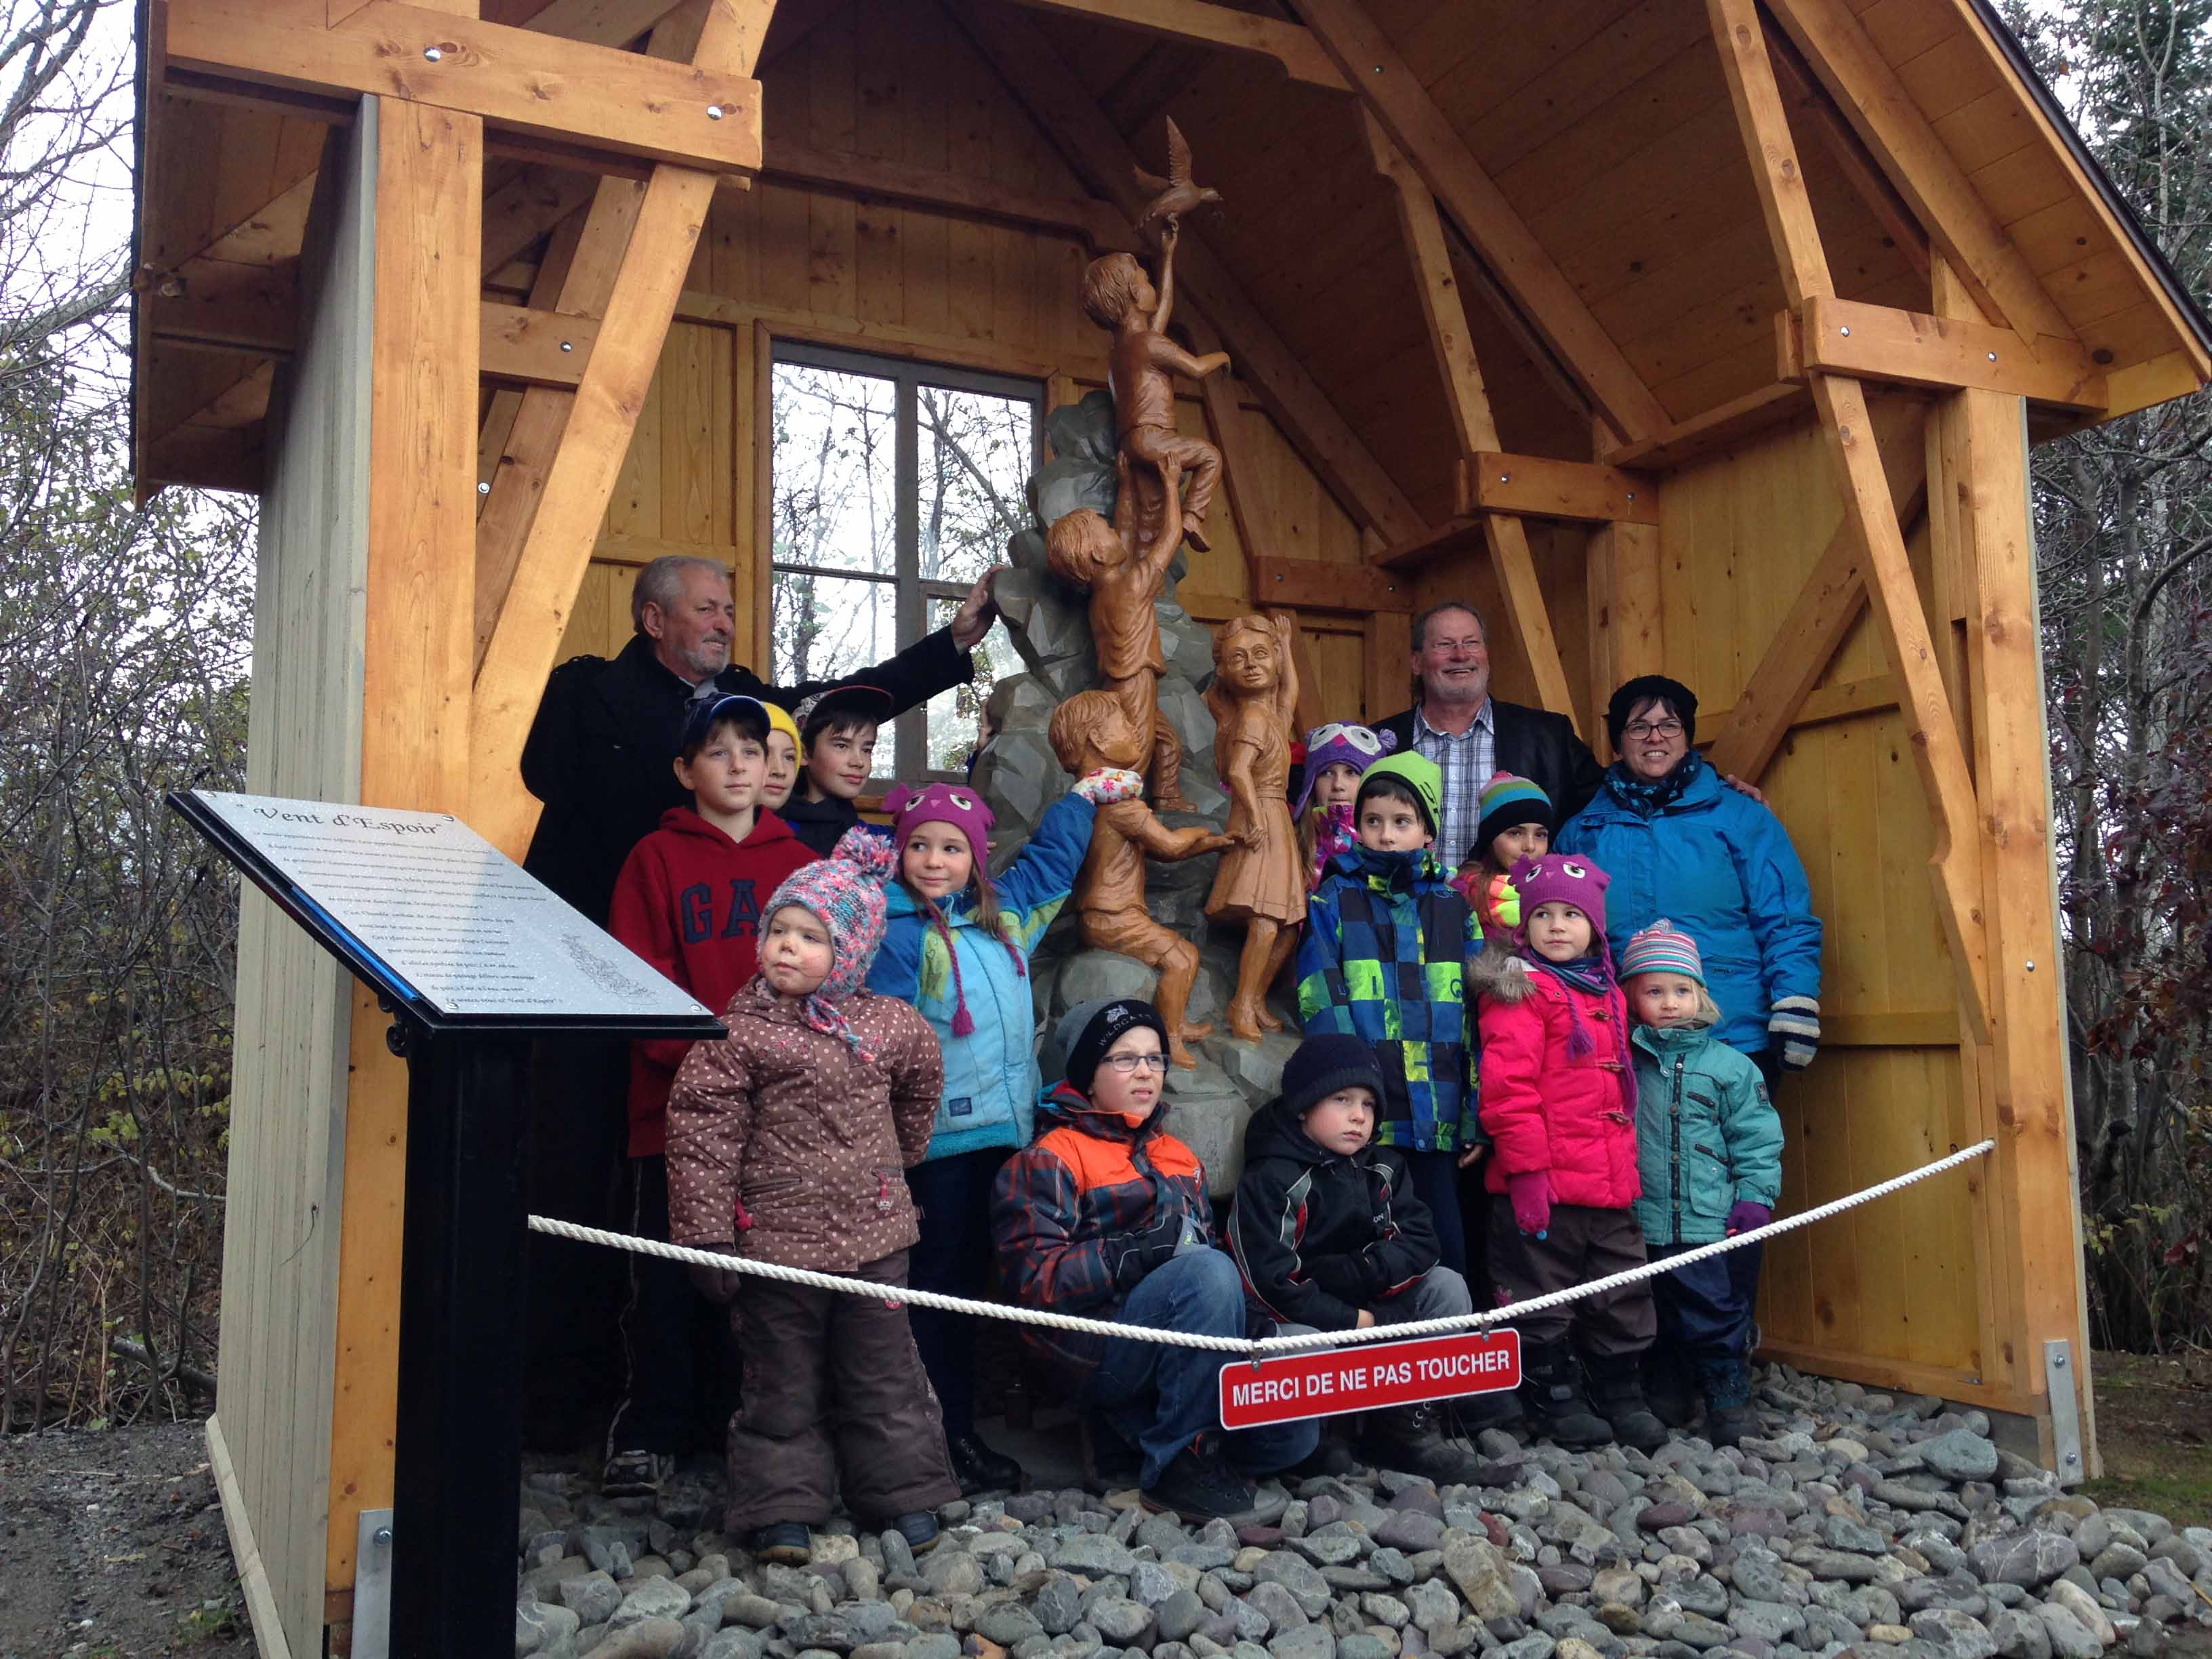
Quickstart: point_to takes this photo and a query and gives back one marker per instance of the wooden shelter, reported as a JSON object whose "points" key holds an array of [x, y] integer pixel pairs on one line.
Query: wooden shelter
{"points": [[1701, 335]]}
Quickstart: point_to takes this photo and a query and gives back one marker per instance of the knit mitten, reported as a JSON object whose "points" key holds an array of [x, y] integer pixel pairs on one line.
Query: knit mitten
{"points": [[1744, 1216], [1109, 784], [1795, 1024], [1532, 1196]]}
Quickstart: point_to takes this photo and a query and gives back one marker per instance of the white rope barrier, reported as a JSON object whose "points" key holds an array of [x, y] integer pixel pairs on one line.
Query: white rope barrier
{"points": [[1260, 1348]]}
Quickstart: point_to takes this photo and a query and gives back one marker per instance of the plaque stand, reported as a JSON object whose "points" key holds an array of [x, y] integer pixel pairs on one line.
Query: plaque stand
{"points": [[456, 1457]]}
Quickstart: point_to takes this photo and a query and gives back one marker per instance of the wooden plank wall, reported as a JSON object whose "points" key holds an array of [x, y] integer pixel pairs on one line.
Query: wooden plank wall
{"points": [[1895, 1293], [895, 83], [294, 1002]]}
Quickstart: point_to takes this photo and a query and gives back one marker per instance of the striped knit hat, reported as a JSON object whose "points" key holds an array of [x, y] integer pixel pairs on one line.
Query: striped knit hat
{"points": [[964, 810], [1661, 948], [1508, 801], [845, 892]]}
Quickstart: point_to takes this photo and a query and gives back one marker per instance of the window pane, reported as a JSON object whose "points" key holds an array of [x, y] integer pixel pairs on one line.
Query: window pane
{"points": [[953, 716], [977, 451], [835, 466], [821, 627]]}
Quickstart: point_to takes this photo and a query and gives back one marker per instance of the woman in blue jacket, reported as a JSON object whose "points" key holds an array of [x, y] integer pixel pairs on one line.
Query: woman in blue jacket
{"points": [[1680, 842], [956, 946]]}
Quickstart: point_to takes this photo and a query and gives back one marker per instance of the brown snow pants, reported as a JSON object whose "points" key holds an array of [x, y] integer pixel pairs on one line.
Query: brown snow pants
{"points": [[1582, 1244], [833, 1386]]}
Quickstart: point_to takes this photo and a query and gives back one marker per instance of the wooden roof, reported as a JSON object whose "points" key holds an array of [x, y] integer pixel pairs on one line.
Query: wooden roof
{"points": [[1593, 184]]}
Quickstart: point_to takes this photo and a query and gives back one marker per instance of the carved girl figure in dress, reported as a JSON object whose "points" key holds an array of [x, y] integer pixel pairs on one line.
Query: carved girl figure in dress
{"points": [[1261, 882]]}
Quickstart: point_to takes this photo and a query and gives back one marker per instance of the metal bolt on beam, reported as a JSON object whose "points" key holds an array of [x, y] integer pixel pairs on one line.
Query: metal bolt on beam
{"points": [[566, 345], [1845, 331], [713, 112], [483, 486], [431, 54], [1993, 356]]}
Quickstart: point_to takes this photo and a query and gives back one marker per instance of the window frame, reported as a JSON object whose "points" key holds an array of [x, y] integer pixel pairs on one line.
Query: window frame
{"points": [[913, 595]]}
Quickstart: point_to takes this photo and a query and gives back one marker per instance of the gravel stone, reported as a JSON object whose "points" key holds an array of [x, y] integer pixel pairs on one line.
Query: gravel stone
{"points": [[1308, 1641], [2026, 1558], [2069, 1638], [1954, 1633], [590, 1597]]}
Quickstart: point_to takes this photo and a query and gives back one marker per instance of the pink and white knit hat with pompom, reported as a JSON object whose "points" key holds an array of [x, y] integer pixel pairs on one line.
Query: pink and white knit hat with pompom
{"points": [[845, 892]]}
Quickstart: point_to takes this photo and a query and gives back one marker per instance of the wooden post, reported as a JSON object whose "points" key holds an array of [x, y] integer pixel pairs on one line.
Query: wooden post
{"points": [[1983, 538], [416, 695]]}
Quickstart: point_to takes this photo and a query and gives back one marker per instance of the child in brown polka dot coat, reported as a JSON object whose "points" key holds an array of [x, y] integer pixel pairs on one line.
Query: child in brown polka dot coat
{"points": [[788, 1143]]}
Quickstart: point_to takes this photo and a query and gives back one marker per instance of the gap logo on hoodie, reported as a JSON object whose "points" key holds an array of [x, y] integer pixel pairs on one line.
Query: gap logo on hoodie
{"points": [[695, 905]]}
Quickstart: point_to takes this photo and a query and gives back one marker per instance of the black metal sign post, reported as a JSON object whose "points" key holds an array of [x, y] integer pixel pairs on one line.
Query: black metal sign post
{"points": [[534, 969]]}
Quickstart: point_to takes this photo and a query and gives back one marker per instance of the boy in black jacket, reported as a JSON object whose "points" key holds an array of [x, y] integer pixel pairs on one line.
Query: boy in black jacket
{"points": [[1329, 1236]]}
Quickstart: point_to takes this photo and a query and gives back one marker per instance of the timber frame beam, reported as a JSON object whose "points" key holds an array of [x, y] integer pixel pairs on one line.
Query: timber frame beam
{"points": [[1949, 353], [1198, 22], [1392, 94], [588, 98], [1869, 512]]}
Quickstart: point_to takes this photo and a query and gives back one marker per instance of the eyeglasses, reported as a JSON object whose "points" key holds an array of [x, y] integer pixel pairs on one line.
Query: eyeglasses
{"points": [[1653, 729], [1127, 1064]]}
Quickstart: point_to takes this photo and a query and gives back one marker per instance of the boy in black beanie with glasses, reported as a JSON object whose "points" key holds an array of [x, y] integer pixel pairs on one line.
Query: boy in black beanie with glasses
{"points": [[1329, 1236]]}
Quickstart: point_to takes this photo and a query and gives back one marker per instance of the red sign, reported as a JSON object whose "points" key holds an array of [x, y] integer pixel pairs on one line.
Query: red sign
{"points": [[1284, 1387]]}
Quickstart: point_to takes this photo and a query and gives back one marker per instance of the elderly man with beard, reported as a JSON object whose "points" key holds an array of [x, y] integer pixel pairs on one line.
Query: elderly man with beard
{"points": [[599, 755]]}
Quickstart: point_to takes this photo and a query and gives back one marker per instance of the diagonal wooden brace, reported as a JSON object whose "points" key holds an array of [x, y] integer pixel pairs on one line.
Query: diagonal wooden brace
{"points": [[1504, 534], [1955, 865], [595, 440]]}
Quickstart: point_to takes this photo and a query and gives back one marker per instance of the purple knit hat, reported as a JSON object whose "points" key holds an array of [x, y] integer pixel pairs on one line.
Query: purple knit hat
{"points": [[965, 811], [1562, 878], [1340, 743], [845, 892]]}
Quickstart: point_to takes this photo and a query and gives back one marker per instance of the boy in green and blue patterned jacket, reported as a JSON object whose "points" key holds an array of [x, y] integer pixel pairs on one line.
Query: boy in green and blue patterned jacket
{"points": [[1384, 959]]}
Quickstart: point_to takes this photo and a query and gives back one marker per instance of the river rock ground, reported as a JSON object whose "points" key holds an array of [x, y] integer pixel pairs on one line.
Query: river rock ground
{"points": [[1856, 1521]]}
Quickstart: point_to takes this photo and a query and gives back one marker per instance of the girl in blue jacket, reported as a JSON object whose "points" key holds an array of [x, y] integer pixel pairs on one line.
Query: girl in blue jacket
{"points": [[1680, 842], [957, 947]]}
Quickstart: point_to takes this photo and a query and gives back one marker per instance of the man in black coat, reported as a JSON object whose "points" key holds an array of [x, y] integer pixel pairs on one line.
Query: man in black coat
{"points": [[599, 755], [599, 751], [1471, 734]]}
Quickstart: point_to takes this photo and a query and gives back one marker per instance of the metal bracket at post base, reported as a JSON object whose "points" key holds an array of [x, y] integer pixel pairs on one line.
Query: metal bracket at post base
{"points": [[2058, 1378], [372, 1586]]}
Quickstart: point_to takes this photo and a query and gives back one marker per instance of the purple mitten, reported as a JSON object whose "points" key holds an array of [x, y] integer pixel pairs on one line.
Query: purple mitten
{"points": [[1744, 1216], [1532, 1196]]}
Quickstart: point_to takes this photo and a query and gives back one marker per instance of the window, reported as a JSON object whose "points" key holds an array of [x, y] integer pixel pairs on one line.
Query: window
{"points": [[895, 486]]}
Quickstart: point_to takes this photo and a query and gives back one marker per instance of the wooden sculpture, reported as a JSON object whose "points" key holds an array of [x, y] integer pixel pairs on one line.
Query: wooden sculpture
{"points": [[1254, 698], [1143, 362], [1125, 584], [1089, 731]]}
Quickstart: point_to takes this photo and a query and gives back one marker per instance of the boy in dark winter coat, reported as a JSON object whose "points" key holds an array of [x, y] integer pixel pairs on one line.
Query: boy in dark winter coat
{"points": [[788, 1143], [688, 902], [1106, 1216], [1384, 959], [1558, 1097], [1710, 1148], [836, 757], [1329, 1236]]}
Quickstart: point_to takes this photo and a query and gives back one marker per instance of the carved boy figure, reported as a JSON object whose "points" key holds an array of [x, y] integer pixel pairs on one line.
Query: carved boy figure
{"points": [[1090, 731], [1141, 368], [1085, 551]]}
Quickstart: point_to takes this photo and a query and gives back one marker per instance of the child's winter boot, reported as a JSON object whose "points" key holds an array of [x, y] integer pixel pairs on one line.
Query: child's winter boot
{"points": [[1553, 1400], [1728, 1415], [1668, 1388], [1412, 1439], [1617, 1391]]}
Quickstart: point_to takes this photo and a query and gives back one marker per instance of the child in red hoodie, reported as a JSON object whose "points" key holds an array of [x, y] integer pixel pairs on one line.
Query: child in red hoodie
{"points": [[688, 901], [1559, 1098]]}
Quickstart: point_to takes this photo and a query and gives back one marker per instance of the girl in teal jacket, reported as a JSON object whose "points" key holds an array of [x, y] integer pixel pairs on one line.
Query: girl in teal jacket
{"points": [[957, 947], [1709, 1151]]}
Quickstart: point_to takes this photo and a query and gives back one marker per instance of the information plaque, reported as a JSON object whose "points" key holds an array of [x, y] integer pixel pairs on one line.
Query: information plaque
{"points": [[480, 968], [448, 929]]}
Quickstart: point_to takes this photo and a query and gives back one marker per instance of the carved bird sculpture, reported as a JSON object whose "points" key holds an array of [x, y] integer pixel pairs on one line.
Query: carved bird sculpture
{"points": [[1175, 195]]}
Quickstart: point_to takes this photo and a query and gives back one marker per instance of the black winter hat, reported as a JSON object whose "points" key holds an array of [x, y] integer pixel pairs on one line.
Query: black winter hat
{"points": [[1645, 688], [1089, 1029], [1324, 1064]]}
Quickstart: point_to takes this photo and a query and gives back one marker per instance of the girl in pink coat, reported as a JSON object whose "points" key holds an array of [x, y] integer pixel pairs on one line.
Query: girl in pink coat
{"points": [[1559, 1100]]}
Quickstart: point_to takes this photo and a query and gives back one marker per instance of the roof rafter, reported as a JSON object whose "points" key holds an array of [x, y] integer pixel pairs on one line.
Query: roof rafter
{"points": [[1196, 20]]}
